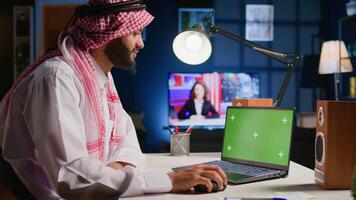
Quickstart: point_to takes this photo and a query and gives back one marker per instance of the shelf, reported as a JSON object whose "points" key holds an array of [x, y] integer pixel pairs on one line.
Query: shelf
{"points": [[348, 98], [348, 58], [23, 38], [22, 42], [349, 17], [347, 33]]}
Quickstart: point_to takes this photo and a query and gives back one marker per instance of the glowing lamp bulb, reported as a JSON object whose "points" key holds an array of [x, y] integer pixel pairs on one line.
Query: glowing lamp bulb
{"points": [[193, 42]]}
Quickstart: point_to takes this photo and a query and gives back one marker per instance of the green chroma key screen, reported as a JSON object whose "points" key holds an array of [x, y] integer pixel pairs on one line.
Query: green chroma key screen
{"points": [[258, 134]]}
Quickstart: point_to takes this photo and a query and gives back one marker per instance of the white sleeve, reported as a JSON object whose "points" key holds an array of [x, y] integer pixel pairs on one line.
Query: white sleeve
{"points": [[128, 149], [55, 121]]}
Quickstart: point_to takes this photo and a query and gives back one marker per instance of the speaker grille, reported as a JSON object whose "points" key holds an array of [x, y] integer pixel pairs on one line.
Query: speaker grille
{"points": [[320, 148]]}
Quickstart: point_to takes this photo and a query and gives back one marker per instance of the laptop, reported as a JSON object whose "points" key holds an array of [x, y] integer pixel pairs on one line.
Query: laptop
{"points": [[256, 145]]}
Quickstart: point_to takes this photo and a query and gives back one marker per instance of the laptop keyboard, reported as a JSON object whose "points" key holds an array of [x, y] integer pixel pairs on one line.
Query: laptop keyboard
{"points": [[243, 169]]}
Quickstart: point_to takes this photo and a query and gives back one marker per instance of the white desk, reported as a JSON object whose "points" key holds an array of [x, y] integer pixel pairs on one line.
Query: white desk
{"points": [[300, 179]]}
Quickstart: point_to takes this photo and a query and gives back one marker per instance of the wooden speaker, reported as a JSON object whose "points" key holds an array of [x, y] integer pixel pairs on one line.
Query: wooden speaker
{"points": [[335, 144]]}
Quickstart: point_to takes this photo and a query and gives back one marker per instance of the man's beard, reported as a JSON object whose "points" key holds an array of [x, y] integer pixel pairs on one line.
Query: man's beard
{"points": [[119, 54]]}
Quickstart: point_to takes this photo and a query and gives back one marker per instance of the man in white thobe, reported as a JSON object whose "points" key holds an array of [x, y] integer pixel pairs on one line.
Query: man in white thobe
{"points": [[62, 126]]}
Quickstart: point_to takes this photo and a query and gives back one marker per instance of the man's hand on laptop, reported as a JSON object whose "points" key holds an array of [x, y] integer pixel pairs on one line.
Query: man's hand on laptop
{"points": [[185, 180]]}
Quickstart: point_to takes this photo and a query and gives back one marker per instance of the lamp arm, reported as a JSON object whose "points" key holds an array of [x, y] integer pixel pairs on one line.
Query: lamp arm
{"points": [[277, 56], [290, 60], [285, 83]]}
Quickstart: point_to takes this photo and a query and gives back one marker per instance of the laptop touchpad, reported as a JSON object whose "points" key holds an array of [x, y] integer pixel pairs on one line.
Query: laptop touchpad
{"points": [[236, 176]]}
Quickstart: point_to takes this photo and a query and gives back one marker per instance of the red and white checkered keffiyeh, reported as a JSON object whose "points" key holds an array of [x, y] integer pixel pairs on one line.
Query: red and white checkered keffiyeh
{"points": [[90, 32]]}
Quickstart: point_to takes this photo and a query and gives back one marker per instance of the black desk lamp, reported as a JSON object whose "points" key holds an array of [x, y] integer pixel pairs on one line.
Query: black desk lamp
{"points": [[193, 47]]}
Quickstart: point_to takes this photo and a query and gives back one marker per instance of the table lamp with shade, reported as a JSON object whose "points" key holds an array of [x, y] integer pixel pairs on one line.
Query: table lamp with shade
{"points": [[194, 47], [334, 59]]}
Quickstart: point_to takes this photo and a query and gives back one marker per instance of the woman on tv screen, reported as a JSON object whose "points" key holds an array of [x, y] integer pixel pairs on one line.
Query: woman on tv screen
{"points": [[198, 106]]}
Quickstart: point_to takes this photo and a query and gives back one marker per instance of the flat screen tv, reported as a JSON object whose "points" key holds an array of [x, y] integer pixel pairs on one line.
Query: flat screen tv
{"points": [[205, 105]]}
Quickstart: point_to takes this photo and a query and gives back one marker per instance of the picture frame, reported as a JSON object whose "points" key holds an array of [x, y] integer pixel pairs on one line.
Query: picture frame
{"points": [[259, 22], [188, 17]]}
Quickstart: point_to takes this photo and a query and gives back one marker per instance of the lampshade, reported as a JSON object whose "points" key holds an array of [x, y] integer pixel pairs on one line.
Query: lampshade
{"points": [[192, 47], [331, 53]]}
